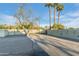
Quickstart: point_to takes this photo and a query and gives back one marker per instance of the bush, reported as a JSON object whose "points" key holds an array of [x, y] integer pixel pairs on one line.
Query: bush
{"points": [[58, 26]]}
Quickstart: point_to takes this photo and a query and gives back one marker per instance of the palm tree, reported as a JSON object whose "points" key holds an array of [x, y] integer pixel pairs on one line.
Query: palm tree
{"points": [[49, 5], [60, 7], [55, 6]]}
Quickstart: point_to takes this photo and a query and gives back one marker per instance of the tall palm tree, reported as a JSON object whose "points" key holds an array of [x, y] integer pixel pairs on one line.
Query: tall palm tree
{"points": [[49, 5], [60, 7], [55, 6]]}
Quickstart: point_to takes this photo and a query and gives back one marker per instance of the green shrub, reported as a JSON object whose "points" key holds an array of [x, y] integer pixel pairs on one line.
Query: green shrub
{"points": [[58, 27]]}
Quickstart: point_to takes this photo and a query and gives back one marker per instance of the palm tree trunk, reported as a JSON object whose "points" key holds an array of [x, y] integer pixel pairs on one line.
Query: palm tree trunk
{"points": [[58, 17], [54, 15], [50, 17]]}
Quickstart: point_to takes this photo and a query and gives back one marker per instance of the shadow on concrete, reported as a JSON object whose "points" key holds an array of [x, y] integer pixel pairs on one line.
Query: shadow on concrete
{"points": [[61, 48], [36, 49], [71, 39]]}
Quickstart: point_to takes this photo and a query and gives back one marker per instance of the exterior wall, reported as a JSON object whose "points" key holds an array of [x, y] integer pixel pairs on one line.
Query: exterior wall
{"points": [[3, 33], [72, 34], [7, 32]]}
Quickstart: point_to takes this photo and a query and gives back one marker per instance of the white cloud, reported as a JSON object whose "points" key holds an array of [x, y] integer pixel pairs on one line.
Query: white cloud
{"points": [[71, 19], [7, 19], [73, 14]]}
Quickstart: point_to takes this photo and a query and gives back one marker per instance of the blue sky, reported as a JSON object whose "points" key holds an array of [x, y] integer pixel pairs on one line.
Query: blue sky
{"points": [[69, 16]]}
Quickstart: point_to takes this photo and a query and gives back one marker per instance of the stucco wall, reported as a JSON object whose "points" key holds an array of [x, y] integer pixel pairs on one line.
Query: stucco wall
{"points": [[72, 34], [4, 33]]}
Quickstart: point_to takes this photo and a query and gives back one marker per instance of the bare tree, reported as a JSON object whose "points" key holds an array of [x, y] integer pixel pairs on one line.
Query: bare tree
{"points": [[20, 16]]}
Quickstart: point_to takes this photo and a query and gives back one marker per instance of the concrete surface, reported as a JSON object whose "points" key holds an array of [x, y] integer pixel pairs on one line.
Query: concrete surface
{"points": [[56, 46], [16, 45]]}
